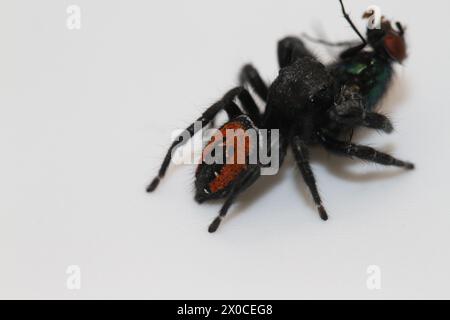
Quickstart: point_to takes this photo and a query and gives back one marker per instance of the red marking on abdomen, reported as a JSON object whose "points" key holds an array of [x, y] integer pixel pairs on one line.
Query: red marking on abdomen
{"points": [[231, 169], [227, 175]]}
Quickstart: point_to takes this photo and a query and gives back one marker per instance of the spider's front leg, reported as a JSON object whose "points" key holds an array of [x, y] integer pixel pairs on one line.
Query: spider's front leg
{"points": [[377, 121], [356, 117], [350, 111], [290, 49], [362, 152]]}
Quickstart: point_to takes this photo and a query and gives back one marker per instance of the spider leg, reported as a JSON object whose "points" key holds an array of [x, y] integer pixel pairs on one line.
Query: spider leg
{"points": [[232, 110], [250, 75], [363, 152], [291, 49], [250, 107], [371, 120], [223, 104], [244, 181], [378, 121], [351, 110], [301, 154]]}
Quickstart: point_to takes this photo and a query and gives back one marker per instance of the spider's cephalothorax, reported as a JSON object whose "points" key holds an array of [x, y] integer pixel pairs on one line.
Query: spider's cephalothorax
{"points": [[309, 103]]}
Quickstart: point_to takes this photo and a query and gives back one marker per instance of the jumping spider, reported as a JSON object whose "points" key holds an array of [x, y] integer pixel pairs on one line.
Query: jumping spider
{"points": [[309, 103]]}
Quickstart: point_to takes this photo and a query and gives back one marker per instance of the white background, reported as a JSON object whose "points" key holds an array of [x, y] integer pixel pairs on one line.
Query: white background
{"points": [[87, 115]]}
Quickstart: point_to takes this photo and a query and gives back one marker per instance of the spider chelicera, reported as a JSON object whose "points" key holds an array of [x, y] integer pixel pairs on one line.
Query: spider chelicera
{"points": [[310, 104]]}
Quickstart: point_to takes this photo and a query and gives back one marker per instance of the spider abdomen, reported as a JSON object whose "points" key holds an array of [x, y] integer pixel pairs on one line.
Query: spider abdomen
{"points": [[230, 148]]}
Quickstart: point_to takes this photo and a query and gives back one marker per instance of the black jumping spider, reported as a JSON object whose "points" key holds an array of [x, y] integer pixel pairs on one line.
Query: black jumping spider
{"points": [[309, 103]]}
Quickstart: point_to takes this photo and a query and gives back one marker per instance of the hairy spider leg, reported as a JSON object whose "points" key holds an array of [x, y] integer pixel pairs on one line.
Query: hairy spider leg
{"points": [[248, 104], [233, 110], [378, 121], [250, 75], [290, 49], [363, 152], [250, 107], [301, 154], [245, 180], [223, 104], [372, 120]]}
